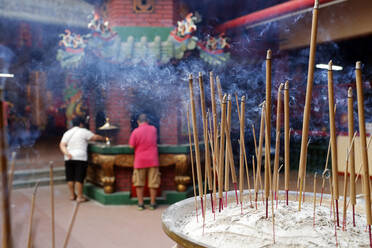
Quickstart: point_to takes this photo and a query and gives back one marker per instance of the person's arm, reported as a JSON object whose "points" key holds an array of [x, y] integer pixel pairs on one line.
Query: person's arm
{"points": [[63, 148], [97, 137]]}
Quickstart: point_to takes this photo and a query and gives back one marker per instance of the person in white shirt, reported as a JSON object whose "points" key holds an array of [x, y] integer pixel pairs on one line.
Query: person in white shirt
{"points": [[74, 145]]}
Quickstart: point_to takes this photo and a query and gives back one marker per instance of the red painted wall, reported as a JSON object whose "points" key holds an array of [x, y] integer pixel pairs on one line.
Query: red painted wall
{"points": [[121, 13]]}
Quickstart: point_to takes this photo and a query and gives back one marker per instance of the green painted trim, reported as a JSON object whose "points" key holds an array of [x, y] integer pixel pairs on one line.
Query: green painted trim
{"points": [[137, 32], [125, 149], [123, 198]]}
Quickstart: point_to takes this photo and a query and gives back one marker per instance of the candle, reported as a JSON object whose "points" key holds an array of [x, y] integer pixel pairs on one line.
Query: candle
{"points": [[192, 162], [309, 89], [221, 153], [277, 142], [196, 143], [363, 149], [286, 140], [205, 133]]}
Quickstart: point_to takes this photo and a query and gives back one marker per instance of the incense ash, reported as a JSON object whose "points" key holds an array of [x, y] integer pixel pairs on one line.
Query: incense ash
{"points": [[293, 228]]}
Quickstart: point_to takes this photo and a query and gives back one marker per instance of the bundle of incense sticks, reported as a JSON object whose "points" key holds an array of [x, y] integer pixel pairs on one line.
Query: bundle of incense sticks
{"points": [[222, 152]]}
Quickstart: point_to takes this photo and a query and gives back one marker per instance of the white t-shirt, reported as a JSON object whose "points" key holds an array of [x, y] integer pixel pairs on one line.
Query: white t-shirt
{"points": [[77, 142]]}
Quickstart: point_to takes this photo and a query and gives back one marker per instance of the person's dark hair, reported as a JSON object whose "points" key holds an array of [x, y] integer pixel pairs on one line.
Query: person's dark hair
{"points": [[77, 121], [142, 118]]}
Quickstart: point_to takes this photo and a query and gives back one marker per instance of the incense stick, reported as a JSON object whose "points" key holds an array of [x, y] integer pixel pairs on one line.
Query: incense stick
{"points": [[244, 152], [213, 193], [72, 221], [196, 143], [29, 240], [325, 169], [221, 154], [346, 181], [277, 142], [309, 89], [11, 174], [286, 140], [241, 160], [268, 127], [192, 163], [362, 131], [205, 135], [259, 157], [352, 156], [230, 151], [332, 128], [314, 199], [333, 208], [215, 131], [51, 185], [7, 230]]}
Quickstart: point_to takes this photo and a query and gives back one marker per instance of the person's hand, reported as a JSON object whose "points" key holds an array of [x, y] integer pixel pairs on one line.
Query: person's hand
{"points": [[69, 156]]}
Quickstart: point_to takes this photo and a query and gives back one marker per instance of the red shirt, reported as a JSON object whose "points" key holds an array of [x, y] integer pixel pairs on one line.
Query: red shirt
{"points": [[143, 139]]}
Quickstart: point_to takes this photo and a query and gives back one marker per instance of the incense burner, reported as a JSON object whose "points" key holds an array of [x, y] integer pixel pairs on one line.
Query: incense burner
{"points": [[250, 228]]}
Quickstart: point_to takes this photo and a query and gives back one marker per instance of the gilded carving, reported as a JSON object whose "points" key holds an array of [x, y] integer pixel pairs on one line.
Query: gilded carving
{"points": [[101, 171]]}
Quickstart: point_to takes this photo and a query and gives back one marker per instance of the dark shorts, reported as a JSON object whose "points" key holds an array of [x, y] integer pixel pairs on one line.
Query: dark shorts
{"points": [[76, 170]]}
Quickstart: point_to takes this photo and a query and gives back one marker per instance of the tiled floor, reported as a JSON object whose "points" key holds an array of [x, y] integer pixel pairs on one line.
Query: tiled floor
{"points": [[95, 226]]}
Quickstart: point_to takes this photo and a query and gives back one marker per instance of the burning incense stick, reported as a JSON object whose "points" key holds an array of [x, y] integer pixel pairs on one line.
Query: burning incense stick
{"points": [[72, 221], [219, 88], [268, 126], [332, 128], [196, 143], [51, 184], [309, 89], [362, 131], [192, 163], [221, 153], [314, 199], [7, 231], [286, 140], [29, 240], [350, 110], [277, 142], [241, 161], [259, 157], [205, 130]]}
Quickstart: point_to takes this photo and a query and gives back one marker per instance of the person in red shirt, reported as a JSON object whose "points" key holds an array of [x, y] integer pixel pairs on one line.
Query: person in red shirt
{"points": [[146, 160]]}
